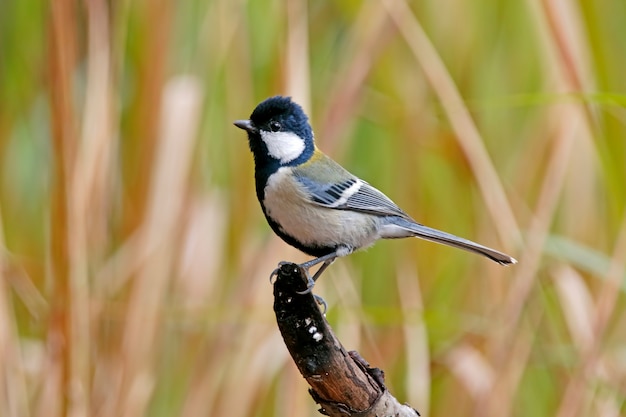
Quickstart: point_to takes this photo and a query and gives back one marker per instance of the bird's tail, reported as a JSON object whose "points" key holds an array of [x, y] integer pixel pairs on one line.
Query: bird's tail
{"points": [[434, 235]]}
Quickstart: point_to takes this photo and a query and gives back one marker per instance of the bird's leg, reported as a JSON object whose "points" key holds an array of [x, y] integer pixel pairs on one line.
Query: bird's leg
{"points": [[322, 268], [311, 283], [326, 259]]}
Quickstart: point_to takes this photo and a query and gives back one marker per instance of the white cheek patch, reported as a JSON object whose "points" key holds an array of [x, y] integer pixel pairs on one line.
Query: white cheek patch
{"points": [[284, 146]]}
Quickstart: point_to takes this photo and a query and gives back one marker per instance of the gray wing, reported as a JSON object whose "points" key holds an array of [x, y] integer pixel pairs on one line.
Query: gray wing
{"points": [[351, 194], [357, 195]]}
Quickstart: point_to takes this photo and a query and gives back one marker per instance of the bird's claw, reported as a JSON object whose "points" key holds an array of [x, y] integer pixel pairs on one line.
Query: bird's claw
{"points": [[310, 283], [320, 301], [274, 273]]}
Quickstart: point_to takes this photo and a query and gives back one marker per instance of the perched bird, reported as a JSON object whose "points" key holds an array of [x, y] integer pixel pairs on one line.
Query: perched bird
{"points": [[317, 206]]}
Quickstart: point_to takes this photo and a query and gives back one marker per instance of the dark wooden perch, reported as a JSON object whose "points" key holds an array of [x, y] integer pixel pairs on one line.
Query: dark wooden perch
{"points": [[341, 382]]}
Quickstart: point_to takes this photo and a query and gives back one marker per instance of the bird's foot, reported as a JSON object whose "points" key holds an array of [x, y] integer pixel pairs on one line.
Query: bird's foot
{"points": [[309, 286], [274, 273], [310, 283]]}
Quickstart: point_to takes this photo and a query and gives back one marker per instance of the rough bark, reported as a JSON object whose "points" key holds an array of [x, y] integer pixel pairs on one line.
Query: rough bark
{"points": [[342, 382]]}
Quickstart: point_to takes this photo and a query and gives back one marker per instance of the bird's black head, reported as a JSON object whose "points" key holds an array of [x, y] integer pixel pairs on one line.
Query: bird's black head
{"points": [[279, 134]]}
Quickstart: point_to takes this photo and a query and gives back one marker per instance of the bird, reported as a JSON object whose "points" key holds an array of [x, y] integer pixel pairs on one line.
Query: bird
{"points": [[316, 205]]}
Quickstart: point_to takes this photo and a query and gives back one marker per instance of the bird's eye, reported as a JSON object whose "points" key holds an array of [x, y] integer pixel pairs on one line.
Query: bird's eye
{"points": [[275, 126]]}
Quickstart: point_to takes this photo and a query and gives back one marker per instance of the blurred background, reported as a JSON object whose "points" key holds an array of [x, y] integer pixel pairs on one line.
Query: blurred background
{"points": [[135, 258]]}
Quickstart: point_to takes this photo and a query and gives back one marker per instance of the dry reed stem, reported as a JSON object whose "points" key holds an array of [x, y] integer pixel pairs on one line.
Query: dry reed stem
{"points": [[93, 174], [472, 370], [145, 110], [543, 216], [13, 393], [416, 340], [179, 121], [198, 272], [577, 305], [369, 34], [62, 374], [572, 124], [257, 353], [347, 285], [129, 370], [465, 129], [85, 208], [297, 71], [577, 393], [244, 355]]}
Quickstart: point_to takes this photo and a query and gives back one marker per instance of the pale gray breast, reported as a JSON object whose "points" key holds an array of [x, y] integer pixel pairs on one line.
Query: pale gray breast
{"points": [[289, 205]]}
